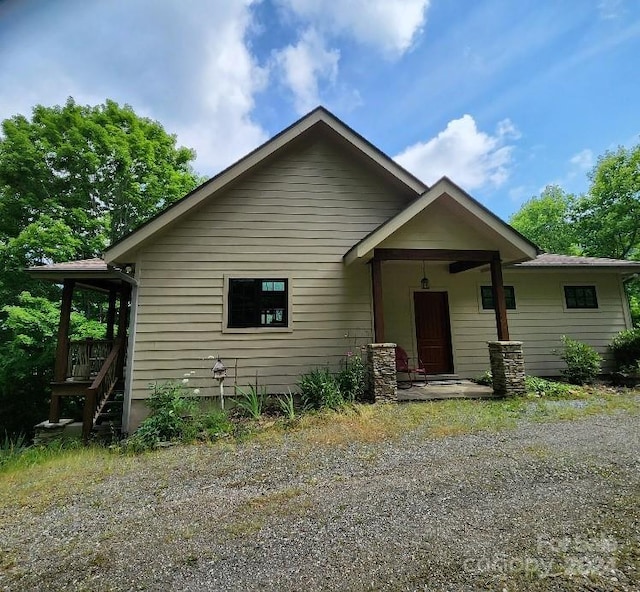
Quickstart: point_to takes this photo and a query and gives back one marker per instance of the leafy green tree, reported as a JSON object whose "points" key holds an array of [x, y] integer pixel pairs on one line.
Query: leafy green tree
{"points": [[72, 179], [546, 220], [101, 169], [608, 216]]}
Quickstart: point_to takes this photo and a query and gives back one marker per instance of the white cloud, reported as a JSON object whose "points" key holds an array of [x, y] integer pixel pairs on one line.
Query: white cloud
{"points": [[506, 129], [468, 156], [390, 25], [610, 9], [199, 78], [303, 65], [229, 80], [583, 160]]}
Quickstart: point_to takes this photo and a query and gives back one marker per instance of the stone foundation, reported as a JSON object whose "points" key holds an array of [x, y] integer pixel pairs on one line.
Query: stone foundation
{"points": [[380, 365], [507, 368]]}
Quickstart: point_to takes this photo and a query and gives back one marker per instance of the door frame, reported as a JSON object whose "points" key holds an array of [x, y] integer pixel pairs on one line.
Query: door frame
{"points": [[414, 328]]}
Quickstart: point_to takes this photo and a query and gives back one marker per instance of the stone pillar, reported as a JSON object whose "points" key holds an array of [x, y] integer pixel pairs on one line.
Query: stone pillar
{"points": [[507, 367], [382, 386]]}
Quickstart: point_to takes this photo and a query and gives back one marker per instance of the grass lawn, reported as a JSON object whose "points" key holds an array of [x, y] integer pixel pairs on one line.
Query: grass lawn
{"points": [[457, 494]]}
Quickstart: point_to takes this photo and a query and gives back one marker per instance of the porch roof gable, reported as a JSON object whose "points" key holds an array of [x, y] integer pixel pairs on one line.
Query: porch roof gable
{"points": [[364, 249]]}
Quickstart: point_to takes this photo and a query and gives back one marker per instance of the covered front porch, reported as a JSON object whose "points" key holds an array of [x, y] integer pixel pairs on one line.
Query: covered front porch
{"points": [[428, 301], [437, 287], [89, 370]]}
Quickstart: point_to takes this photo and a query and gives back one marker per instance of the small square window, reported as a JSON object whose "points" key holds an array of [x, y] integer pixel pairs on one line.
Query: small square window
{"points": [[580, 297], [258, 303], [486, 292]]}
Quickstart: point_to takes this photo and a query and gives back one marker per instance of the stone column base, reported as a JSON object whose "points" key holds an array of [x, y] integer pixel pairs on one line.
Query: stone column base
{"points": [[507, 368], [380, 364]]}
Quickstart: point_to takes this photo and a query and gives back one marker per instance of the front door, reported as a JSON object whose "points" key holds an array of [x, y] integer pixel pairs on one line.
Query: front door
{"points": [[433, 332]]}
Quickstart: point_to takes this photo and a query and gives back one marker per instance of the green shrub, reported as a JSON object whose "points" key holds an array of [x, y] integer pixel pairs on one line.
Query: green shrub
{"points": [[251, 400], [319, 389], [542, 387], [583, 362], [626, 349], [171, 418], [485, 378], [214, 424], [351, 379]]}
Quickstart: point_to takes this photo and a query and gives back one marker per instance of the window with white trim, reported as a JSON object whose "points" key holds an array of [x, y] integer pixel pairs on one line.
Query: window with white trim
{"points": [[258, 302]]}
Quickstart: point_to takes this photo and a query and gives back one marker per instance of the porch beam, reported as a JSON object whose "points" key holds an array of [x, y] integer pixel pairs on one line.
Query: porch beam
{"points": [[460, 266], [435, 255], [499, 301], [376, 285]]}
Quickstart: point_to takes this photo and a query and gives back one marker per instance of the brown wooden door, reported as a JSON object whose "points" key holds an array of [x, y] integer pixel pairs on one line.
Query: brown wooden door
{"points": [[433, 332]]}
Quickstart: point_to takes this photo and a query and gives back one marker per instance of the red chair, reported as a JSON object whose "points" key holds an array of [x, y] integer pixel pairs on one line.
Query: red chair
{"points": [[404, 367]]}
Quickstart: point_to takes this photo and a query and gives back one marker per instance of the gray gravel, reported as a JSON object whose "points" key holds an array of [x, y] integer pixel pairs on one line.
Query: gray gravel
{"points": [[550, 506]]}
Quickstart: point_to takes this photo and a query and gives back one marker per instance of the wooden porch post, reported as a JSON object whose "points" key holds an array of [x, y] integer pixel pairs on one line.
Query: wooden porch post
{"points": [[62, 348], [60, 373], [499, 302], [111, 313], [378, 311]]}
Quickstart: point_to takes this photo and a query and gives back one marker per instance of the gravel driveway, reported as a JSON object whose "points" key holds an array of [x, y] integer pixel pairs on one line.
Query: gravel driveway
{"points": [[547, 506]]}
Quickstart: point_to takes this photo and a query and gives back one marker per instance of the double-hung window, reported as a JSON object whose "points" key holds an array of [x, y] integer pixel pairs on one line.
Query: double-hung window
{"points": [[258, 302]]}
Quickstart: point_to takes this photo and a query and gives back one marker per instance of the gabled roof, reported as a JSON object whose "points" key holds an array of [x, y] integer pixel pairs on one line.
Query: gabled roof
{"points": [[444, 187], [317, 120], [552, 261]]}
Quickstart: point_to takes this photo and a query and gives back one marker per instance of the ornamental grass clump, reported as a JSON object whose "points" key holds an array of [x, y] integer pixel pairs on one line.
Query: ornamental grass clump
{"points": [[251, 400]]}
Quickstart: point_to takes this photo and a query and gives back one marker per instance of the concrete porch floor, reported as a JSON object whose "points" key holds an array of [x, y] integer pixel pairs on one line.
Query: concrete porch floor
{"points": [[446, 389]]}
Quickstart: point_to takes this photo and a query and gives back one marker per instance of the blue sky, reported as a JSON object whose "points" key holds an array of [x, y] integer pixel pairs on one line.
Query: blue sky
{"points": [[504, 97]]}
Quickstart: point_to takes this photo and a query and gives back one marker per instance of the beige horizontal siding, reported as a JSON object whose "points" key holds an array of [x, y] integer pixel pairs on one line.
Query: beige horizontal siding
{"points": [[539, 319], [295, 218]]}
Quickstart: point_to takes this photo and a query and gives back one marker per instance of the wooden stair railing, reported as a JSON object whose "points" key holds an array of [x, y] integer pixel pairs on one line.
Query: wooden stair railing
{"points": [[101, 388]]}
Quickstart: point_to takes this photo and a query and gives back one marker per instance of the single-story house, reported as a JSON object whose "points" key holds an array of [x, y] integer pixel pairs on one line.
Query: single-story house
{"points": [[314, 244]]}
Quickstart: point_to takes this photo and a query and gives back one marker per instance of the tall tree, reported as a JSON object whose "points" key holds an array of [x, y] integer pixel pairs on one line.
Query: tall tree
{"points": [[608, 216], [546, 220], [72, 179], [100, 169]]}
